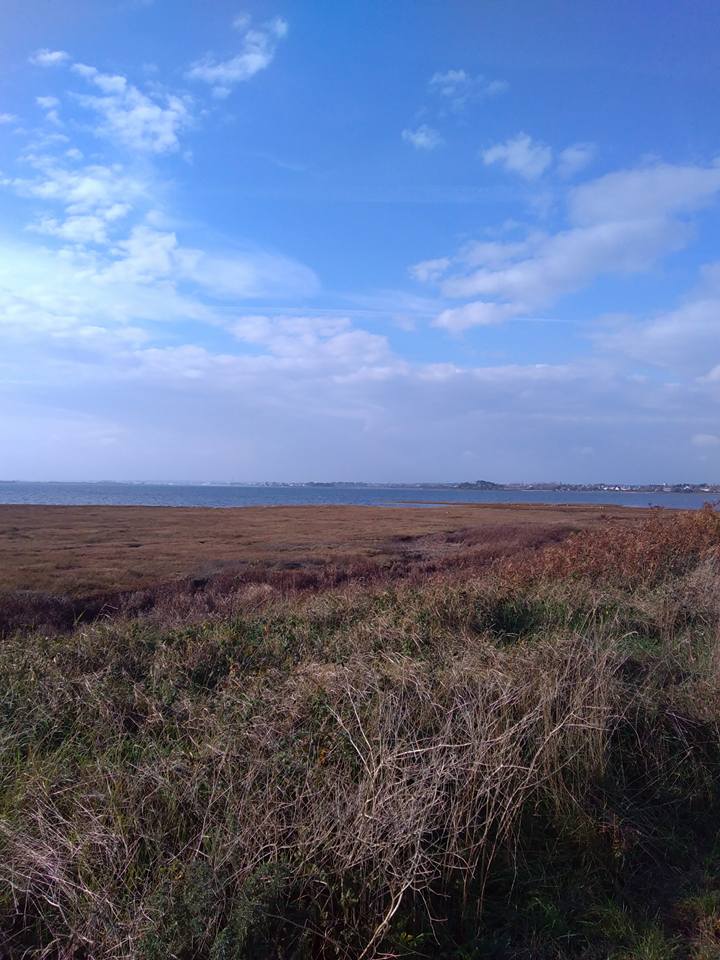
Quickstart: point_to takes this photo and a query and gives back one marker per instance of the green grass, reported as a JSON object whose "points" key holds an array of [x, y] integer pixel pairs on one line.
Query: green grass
{"points": [[517, 764]]}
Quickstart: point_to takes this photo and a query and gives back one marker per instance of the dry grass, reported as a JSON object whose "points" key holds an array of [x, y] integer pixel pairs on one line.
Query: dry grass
{"points": [[488, 764], [84, 550]]}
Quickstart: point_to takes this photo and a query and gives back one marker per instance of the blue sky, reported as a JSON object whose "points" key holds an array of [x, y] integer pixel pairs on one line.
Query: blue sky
{"points": [[402, 241]]}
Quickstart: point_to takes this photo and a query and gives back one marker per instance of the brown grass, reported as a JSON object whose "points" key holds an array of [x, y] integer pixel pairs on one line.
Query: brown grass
{"points": [[65, 565], [81, 550]]}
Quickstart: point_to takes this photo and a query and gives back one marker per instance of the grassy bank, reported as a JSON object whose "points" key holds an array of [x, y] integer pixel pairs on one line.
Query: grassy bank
{"points": [[521, 761]]}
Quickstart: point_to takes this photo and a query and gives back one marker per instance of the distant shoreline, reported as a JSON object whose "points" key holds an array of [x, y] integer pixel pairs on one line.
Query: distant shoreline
{"points": [[318, 494], [480, 485]]}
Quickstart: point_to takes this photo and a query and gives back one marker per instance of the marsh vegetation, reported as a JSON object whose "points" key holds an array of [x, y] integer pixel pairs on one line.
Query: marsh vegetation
{"points": [[515, 759]]}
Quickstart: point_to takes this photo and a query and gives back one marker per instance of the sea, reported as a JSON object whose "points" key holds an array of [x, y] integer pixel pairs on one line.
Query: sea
{"points": [[234, 495]]}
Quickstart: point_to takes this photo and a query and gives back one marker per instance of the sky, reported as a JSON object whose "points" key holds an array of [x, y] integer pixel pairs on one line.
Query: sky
{"points": [[416, 240]]}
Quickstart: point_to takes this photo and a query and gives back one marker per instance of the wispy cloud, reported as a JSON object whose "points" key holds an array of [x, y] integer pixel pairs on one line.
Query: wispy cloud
{"points": [[575, 158], [649, 191], [706, 440], [618, 224], [520, 154], [423, 137], [459, 88], [7, 118], [50, 105], [257, 52], [49, 58], [429, 270], [684, 338], [132, 118]]}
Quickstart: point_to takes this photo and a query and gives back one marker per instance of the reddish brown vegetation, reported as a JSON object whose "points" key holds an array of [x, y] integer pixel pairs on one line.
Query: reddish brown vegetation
{"points": [[62, 566], [663, 545], [86, 550]]}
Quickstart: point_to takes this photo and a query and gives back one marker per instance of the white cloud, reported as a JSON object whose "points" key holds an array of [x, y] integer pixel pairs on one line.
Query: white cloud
{"points": [[146, 255], [686, 338], [575, 158], [423, 138], [81, 229], [531, 159], [7, 118], [256, 274], [705, 440], [429, 270], [149, 255], [511, 279], [47, 103], [660, 190], [560, 263], [108, 82], [282, 388], [131, 117], [46, 293], [460, 87], [315, 392], [259, 45], [103, 190], [314, 341], [520, 154], [477, 314], [241, 21], [50, 106], [49, 58]]}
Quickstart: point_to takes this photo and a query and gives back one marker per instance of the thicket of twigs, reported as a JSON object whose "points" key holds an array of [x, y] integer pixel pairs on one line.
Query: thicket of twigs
{"points": [[520, 763]]}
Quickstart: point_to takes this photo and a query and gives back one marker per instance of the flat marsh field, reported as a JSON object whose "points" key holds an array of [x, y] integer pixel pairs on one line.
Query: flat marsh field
{"points": [[79, 550]]}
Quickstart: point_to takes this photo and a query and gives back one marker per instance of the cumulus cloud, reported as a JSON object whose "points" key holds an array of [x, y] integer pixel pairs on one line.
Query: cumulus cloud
{"points": [[520, 154], [106, 191], [7, 118], [257, 52], [75, 229], [459, 87], [109, 263], [49, 58], [530, 158], [131, 117], [423, 137]]}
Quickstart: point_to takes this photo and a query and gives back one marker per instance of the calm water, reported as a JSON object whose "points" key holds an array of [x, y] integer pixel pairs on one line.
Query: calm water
{"points": [[163, 495]]}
